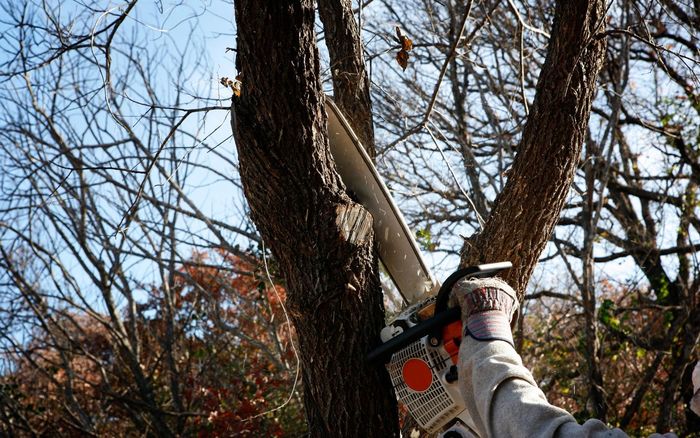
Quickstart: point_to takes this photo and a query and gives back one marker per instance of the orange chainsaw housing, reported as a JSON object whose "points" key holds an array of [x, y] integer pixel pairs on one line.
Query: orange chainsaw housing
{"points": [[451, 338]]}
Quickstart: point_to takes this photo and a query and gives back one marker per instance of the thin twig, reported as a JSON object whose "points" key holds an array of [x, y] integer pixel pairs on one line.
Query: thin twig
{"points": [[522, 69], [291, 340], [152, 163], [523, 23], [454, 176], [450, 55], [431, 104]]}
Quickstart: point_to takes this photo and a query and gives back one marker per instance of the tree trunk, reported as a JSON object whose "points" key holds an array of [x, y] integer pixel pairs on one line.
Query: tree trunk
{"points": [[526, 211], [350, 80], [322, 241], [596, 394]]}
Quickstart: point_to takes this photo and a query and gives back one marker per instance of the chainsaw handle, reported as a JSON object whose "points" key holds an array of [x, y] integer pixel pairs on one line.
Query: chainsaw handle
{"points": [[442, 316], [383, 352]]}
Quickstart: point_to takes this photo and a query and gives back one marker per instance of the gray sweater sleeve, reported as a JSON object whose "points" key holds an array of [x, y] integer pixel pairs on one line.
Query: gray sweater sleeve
{"points": [[504, 400]]}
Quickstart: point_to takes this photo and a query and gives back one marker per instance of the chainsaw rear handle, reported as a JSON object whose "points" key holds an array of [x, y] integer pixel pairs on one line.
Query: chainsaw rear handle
{"points": [[442, 316], [383, 352]]}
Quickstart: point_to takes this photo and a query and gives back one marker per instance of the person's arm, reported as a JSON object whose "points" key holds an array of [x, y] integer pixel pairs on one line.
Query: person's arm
{"points": [[504, 399], [500, 393]]}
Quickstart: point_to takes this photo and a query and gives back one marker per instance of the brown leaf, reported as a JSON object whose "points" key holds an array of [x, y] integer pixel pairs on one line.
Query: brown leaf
{"points": [[399, 34], [234, 85], [402, 58], [237, 84], [403, 40], [406, 43]]}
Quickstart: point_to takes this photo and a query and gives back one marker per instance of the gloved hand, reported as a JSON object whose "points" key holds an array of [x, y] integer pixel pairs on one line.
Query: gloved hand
{"points": [[488, 306]]}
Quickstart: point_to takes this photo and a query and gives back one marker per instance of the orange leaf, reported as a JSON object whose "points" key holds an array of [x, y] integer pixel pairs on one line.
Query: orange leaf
{"points": [[406, 43], [402, 58], [237, 84]]}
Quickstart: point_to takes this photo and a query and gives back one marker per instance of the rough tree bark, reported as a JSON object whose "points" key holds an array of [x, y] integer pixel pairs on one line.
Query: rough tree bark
{"points": [[526, 211], [321, 239], [324, 242], [350, 79]]}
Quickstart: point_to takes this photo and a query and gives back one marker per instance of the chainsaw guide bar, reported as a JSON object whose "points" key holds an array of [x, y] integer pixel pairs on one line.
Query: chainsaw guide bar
{"points": [[398, 249]]}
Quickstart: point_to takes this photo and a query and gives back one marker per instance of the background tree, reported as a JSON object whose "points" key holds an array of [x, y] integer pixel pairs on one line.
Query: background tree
{"points": [[110, 326], [235, 365]]}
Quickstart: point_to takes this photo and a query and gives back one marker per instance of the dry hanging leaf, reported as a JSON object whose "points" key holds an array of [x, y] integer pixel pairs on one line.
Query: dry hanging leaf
{"points": [[406, 45], [403, 40], [234, 85], [399, 34], [237, 84], [402, 59]]}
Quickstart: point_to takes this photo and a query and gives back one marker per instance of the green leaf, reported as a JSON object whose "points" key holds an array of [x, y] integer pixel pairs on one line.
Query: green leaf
{"points": [[605, 315], [425, 239]]}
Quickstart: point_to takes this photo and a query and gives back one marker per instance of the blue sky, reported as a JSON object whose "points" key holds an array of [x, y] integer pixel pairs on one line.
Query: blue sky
{"points": [[198, 34]]}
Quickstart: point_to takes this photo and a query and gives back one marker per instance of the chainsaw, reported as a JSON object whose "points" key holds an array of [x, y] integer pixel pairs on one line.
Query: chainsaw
{"points": [[419, 348]]}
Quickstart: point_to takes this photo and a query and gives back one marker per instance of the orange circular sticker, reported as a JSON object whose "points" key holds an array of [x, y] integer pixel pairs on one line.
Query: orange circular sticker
{"points": [[417, 375]]}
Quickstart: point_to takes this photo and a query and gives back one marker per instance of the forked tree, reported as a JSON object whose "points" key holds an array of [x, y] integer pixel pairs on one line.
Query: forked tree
{"points": [[302, 209]]}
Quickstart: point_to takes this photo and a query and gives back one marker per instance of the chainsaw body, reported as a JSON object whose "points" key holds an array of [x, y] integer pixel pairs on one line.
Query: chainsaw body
{"points": [[420, 349], [424, 373]]}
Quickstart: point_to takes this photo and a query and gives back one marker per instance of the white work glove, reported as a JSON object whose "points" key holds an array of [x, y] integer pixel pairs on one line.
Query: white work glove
{"points": [[488, 306]]}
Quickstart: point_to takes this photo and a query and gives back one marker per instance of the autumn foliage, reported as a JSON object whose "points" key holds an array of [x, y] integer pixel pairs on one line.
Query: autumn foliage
{"points": [[218, 361], [635, 375]]}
